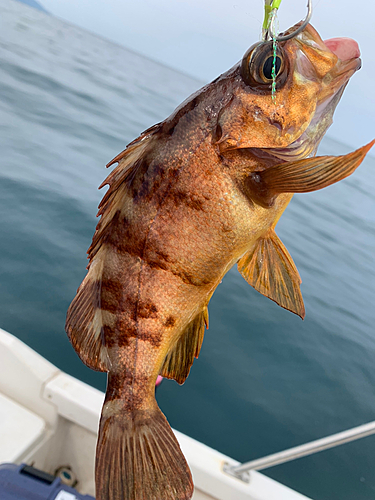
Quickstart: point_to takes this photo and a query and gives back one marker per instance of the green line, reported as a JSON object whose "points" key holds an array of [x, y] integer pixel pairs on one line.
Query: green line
{"points": [[269, 5], [276, 4], [267, 12]]}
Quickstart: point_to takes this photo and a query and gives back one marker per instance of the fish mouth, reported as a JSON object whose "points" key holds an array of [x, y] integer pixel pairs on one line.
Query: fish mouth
{"points": [[346, 49], [348, 62], [348, 53], [341, 59]]}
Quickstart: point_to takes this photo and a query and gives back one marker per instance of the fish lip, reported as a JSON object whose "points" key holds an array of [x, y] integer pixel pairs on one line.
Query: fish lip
{"points": [[345, 68], [343, 47], [349, 66], [339, 77]]}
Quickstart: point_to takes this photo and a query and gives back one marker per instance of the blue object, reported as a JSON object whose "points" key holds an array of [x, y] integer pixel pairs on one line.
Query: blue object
{"points": [[23, 482]]}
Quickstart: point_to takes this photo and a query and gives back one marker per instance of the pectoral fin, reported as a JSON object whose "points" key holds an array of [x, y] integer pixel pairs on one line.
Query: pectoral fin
{"points": [[271, 271], [303, 176], [179, 359]]}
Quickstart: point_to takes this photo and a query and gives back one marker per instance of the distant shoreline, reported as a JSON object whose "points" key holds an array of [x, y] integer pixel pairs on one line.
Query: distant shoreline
{"points": [[33, 3]]}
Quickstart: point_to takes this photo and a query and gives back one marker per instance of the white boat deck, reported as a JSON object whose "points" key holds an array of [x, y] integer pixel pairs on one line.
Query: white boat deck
{"points": [[49, 419]]}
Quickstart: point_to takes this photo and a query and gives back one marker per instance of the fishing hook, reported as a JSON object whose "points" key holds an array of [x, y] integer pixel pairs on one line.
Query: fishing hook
{"points": [[273, 35]]}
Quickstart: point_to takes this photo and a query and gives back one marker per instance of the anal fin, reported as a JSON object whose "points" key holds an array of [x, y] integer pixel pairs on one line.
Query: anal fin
{"points": [[180, 357], [271, 271]]}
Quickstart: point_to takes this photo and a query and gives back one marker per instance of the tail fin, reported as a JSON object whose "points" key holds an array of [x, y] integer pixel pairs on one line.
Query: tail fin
{"points": [[139, 458]]}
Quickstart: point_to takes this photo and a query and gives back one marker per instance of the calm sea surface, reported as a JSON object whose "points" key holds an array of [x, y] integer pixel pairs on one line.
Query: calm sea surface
{"points": [[265, 380]]}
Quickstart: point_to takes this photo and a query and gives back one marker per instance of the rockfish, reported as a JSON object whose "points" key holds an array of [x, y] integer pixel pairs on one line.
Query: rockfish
{"points": [[189, 198]]}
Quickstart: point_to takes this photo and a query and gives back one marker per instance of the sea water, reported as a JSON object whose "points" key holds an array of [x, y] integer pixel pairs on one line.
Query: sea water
{"points": [[265, 381]]}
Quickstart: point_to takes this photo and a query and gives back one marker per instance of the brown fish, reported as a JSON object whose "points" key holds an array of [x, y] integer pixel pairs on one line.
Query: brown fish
{"points": [[191, 197]]}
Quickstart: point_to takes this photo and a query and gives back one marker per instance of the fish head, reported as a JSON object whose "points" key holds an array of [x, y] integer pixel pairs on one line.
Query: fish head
{"points": [[289, 119]]}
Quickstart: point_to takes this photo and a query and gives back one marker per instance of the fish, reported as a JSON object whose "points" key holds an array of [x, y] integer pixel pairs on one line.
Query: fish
{"points": [[189, 198]]}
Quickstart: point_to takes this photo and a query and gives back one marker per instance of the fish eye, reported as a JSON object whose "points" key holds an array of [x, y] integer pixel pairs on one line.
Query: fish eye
{"points": [[258, 63], [268, 66]]}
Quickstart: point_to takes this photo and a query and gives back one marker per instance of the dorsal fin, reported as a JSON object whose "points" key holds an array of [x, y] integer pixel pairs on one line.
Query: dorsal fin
{"points": [[85, 322], [144, 135], [180, 357], [271, 271], [129, 161]]}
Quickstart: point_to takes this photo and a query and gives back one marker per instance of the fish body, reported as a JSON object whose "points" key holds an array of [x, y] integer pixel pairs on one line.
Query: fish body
{"points": [[191, 197]]}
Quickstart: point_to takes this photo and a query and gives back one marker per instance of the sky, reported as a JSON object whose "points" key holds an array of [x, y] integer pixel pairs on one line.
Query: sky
{"points": [[204, 38]]}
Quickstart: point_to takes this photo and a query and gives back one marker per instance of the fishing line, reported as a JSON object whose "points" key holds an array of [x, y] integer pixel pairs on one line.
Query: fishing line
{"points": [[270, 13], [274, 46], [269, 7], [269, 31]]}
